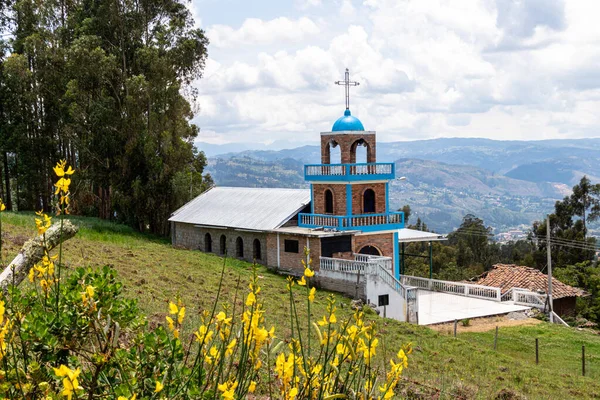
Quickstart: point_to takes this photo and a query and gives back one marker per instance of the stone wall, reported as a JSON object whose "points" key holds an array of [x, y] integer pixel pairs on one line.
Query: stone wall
{"points": [[342, 282], [292, 262], [382, 241], [185, 235], [194, 238], [358, 191]]}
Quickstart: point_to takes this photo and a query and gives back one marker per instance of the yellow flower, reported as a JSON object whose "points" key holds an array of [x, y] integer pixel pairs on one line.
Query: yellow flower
{"points": [[181, 315], [251, 299], [159, 387], [323, 321], [42, 224], [309, 273], [70, 382], [302, 281], [203, 334], [311, 294], [173, 309], [62, 185], [230, 347], [222, 318], [332, 319], [59, 169], [252, 387], [170, 322], [31, 275], [228, 390], [2, 206], [292, 394]]}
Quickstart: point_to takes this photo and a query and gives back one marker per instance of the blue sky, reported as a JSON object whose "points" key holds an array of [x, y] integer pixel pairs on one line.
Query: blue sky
{"points": [[500, 69]]}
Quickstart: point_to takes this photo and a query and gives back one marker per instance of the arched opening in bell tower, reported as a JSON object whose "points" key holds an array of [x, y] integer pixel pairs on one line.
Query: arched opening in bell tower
{"points": [[369, 201], [359, 151], [333, 153]]}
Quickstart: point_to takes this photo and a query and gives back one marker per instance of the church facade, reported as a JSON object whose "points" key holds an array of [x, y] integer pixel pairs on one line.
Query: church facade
{"points": [[345, 211]]}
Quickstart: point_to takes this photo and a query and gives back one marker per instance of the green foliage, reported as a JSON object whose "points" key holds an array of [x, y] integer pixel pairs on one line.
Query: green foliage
{"points": [[102, 85]]}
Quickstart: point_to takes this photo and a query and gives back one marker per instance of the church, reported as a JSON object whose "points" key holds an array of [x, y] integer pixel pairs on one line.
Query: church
{"points": [[344, 220], [344, 213]]}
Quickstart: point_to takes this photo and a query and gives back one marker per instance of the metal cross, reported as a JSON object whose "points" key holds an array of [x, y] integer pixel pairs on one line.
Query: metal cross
{"points": [[346, 82]]}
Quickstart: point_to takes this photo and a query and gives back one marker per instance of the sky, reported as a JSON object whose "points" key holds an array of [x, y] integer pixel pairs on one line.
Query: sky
{"points": [[498, 69]]}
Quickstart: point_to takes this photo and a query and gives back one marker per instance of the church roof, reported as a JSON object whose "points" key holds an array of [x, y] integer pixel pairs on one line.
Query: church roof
{"points": [[347, 123], [243, 208]]}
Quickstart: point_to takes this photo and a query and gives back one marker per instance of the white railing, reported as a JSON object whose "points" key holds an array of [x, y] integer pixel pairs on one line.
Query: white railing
{"points": [[376, 219], [341, 265], [361, 263], [528, 298], [349, 169], [558, 320], [459, 288], [391, 280]]}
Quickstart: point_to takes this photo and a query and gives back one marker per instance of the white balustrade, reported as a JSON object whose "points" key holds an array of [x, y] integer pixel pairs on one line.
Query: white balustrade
{"points": [[459, 288], [349, 169]]}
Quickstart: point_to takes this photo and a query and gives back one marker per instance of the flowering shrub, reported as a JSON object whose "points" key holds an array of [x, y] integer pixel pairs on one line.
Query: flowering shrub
{"points": [[76, 337]]}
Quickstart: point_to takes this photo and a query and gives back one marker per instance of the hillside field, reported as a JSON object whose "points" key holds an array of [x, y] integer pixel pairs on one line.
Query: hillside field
{"points": [[440, 366]]}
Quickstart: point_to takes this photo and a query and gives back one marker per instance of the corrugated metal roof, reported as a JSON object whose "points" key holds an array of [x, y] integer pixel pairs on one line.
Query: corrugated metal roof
{"points": [[413, 235], [508, 276], [244, 208]]}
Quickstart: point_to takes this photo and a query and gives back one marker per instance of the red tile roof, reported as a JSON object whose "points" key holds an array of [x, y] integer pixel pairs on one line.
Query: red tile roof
{"points": [[507, 277]]}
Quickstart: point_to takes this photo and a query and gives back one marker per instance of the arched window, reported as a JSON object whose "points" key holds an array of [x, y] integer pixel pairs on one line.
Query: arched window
{"points": [[208, 243], [256, 254], [239, 247], [370, 250], [223, 245], [369, 201], [328, 202]]}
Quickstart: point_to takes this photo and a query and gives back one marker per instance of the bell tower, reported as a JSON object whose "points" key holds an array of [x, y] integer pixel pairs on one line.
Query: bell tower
{"points": [[351, 196]]}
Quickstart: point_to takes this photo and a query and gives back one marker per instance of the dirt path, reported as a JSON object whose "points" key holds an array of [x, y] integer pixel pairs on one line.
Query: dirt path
{"points": [[484, 324]]}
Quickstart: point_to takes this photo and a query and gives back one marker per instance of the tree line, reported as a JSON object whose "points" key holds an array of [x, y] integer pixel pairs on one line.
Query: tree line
{"points": [[471, 249], [105, 85]]}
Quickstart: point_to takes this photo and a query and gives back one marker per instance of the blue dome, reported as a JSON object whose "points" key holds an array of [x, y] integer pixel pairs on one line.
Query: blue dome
{"points": [[347, 123]]}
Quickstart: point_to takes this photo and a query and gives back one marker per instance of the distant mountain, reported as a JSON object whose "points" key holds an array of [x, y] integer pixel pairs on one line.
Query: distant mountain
{"points": [[440, 193], [566, 160]]}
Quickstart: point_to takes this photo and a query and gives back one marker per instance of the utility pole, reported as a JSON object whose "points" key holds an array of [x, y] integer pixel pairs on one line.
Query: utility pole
{"points": [[549, 268]]}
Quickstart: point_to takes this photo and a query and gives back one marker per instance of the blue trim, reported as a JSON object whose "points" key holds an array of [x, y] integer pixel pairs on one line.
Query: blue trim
{"points": [[312, 199], [349, 172], [387, 196], [396, 257], [344, 222], [348, 199]]}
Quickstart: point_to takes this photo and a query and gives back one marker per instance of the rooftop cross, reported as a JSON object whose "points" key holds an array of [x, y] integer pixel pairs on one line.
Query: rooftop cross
{"points": [[346, 82]]}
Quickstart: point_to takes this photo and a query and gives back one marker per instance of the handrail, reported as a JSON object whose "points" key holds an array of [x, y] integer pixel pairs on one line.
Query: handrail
{"points": [[350, 221], [525, 297], [354, 169], [558, 320], [459, 288]]}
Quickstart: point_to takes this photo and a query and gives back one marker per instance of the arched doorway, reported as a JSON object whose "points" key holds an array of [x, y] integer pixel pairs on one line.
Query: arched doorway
{"points": [[370, 250], [256, 253], [223, 245], [369, 201], [239, 247], [208, 243], [328, 201]]}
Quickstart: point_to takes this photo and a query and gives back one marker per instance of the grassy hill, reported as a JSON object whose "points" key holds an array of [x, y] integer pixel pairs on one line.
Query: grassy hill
{"points": [[440, 367]]}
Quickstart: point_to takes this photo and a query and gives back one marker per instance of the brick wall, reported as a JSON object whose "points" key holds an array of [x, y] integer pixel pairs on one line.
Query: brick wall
{"points": [[193, 238], [358, 191], [342, 282], [292, 262], [345, 141], [383, 241], [339, 198]]}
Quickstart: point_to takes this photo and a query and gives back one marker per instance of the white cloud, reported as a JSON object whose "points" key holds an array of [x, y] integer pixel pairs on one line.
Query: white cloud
{"points": [[504, 69], [255, 31]]}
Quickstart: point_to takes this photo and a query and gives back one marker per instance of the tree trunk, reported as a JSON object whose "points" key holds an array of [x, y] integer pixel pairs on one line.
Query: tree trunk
{"points": [[33, 251], [8, 199]]}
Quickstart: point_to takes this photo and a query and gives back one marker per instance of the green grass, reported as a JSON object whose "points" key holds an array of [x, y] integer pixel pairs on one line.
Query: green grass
{"points": [[441, 366]]}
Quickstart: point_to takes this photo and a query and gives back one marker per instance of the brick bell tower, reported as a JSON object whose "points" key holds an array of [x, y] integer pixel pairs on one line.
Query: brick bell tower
{"points": [[352, 196]]}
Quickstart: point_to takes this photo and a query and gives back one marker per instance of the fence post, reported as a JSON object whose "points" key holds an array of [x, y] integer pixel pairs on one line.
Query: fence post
{"points": [[537, 352], [455, 324], [583, 360], [496, 338]]}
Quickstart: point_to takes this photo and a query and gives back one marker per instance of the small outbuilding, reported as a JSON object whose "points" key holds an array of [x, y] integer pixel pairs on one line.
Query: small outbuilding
{"points": [[509, 276]]}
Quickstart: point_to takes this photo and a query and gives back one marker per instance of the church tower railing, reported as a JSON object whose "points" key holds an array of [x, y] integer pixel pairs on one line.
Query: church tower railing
{"points": [[349, 172]]}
